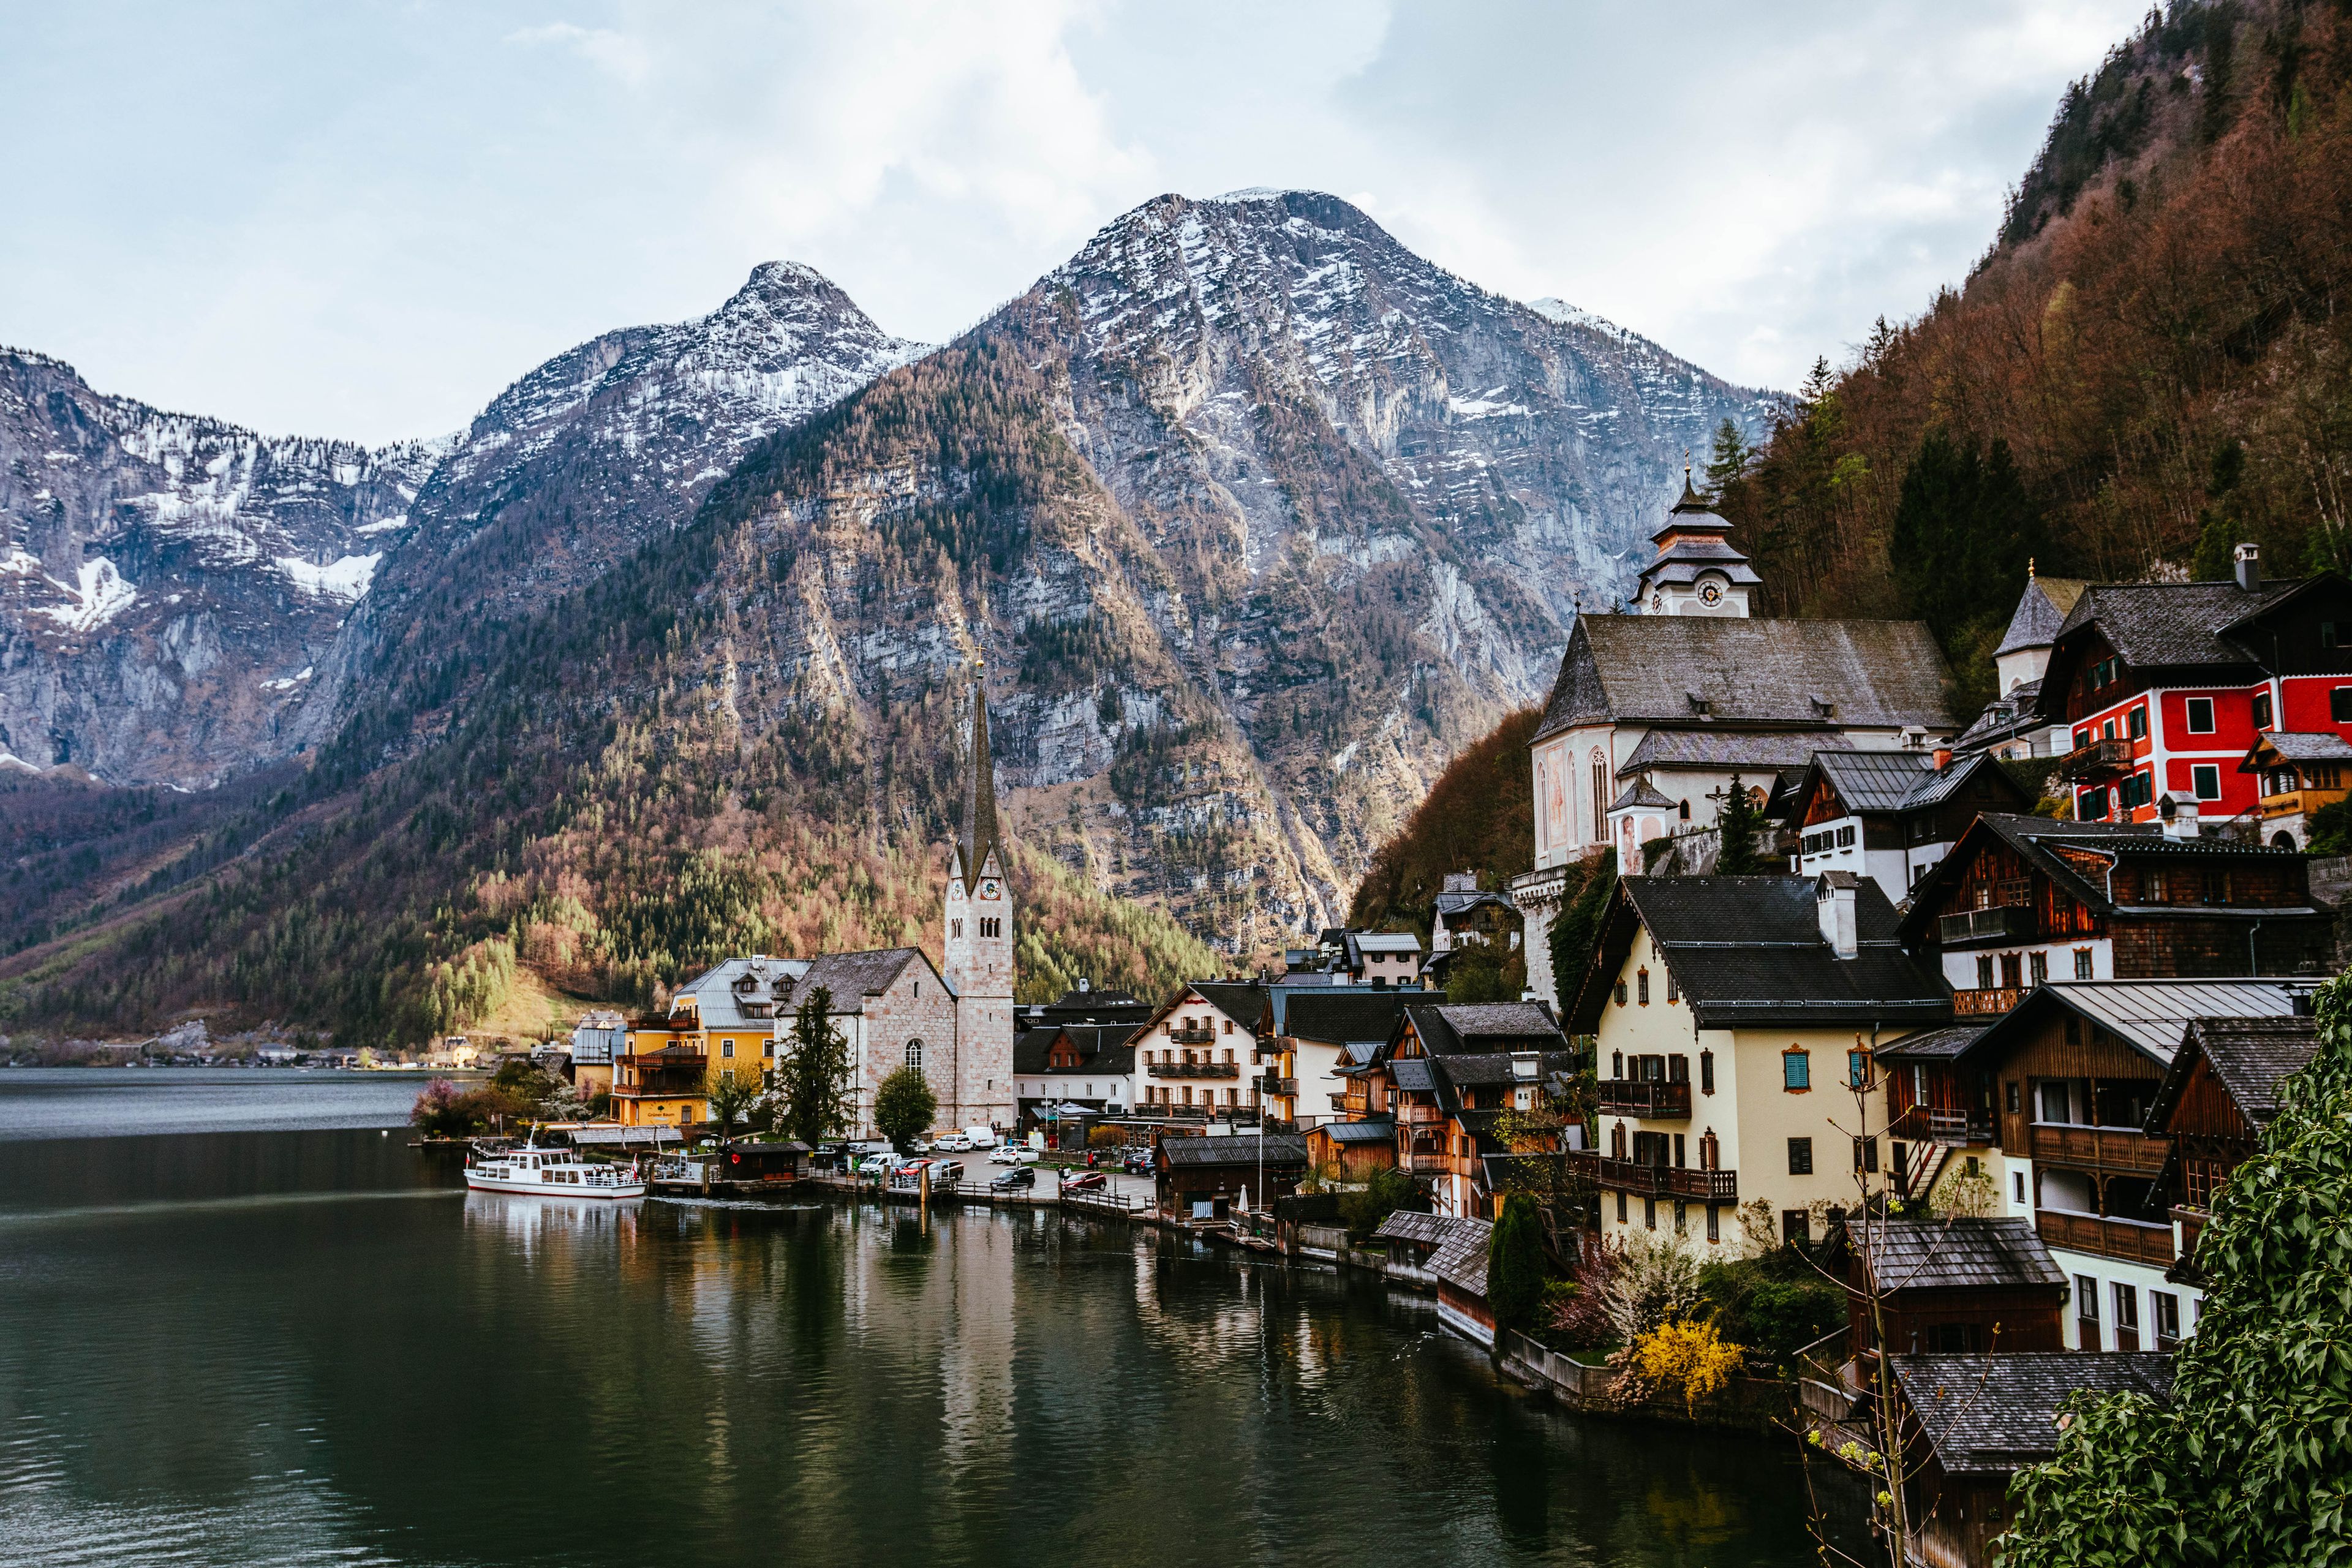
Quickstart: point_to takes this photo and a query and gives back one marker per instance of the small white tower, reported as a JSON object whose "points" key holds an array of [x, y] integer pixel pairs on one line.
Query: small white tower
{"points": [[1699, 572], [979, 946]]}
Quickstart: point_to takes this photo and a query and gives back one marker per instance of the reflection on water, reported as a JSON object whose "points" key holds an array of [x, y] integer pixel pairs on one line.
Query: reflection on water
{"points": [[493, 1378], [117, 1102]]}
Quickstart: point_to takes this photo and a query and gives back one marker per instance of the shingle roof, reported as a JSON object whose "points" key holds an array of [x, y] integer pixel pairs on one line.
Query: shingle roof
{"points": [[2040, 840], [1943, 1254], [1639, 794], [2150, 1016], [1242, 1002], [1454, 1028], [1719, 750], [2041, 609], [1371, 1130], [1749, 950], [2154, 626], [1932, 1044], [1428, 1229], [854, 976], [2300, 746], [1281, 1148], [1103, 1048], [1993, 1414], [1460, 1260], [1880, 673], [2250, 1057], [1338, 1015]]}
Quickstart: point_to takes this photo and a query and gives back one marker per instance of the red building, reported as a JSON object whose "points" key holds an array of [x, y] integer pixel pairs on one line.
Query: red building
{"points": [[2166, 687]]}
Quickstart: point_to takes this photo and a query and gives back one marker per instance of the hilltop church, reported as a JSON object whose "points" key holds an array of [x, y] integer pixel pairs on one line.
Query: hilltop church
{"points": [[1654, 713], [954, 1022]]}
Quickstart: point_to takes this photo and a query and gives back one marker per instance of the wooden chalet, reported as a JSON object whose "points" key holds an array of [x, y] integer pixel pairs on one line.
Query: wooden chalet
{"points": [[1353, 1151], [1208, 1178], [1974, 1421], [1891, 815], [2296, 774], [1956, 1286], [2078, 1067], [2022, 900], [2221, 1091], [1445, 1078]]}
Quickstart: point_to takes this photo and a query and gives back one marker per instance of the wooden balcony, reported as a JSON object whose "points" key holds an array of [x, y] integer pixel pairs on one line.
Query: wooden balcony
{"points": [[2003, 922], [1987, 1001], [1657, 1181], [2100, 758], [1656, 1099], [1201, 1037], [1420, 1114], [1194, 1069], [1272, 1085], [1960, 1129], [1427, 1164], [2127, 1239], [2299, 803], [2103, 1147]]}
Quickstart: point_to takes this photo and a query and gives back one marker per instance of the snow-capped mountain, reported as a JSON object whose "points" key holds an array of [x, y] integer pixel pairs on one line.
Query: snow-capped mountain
{"points": [[168, 581], [573, 466], [181, 598]]}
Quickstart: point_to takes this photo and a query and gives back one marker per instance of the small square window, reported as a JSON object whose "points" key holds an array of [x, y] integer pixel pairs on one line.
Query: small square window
{"points": [[2339, 705], [2135, 725], [1801, 1157], [2201, 715], [2205, 781]]}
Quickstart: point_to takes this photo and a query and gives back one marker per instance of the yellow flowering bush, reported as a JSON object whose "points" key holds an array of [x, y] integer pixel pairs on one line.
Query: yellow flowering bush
{"points": [[1688, 1353]]}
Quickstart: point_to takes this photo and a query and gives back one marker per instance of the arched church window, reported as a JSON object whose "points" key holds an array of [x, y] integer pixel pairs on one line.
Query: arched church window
{"points": [[1599, 796], [915, 1054]]}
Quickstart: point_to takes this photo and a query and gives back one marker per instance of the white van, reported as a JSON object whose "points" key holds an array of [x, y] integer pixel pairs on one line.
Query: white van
{"points": [[980, 1137]]}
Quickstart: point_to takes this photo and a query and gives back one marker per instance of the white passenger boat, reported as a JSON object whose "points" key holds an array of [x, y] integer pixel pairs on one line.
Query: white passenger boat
{"points": [[556, 1172]]}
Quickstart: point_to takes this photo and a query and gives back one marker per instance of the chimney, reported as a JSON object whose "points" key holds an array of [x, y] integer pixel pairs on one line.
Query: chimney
{"points": [[1834, 896], [2250, 567], [1943, 758], [2179, 818]]}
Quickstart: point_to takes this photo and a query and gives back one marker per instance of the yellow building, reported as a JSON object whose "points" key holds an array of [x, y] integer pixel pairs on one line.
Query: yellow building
{"points": [[1735, 1017], [664, 1078]]}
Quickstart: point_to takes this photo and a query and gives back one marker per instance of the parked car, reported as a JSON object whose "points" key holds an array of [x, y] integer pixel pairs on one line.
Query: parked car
{"points": [[1020, 1154], [1091, 1181], [953, 1144], [1003, 1156], [874, 1165], [1019, 1176], [1137, 1162]]}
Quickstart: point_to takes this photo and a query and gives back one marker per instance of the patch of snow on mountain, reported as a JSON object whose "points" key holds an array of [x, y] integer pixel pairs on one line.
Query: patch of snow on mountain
{"points": [[101, 594], [346, 578], [385, 526]]}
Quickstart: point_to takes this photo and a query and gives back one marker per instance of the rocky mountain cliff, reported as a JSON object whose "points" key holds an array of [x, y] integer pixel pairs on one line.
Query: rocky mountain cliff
{"points": [[1267, 515], [168, 582], [181, 598]]}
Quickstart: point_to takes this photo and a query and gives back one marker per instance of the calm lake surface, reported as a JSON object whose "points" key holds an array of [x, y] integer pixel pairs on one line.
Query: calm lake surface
{"points": [[309, 1346]]}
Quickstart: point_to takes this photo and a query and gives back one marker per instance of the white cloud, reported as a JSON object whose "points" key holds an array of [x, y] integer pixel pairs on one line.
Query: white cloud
{"points": [[400, 210]]}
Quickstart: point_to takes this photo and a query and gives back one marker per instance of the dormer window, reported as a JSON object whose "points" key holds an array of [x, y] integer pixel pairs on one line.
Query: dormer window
{"points": [[1822, 707], [1699, 704]]}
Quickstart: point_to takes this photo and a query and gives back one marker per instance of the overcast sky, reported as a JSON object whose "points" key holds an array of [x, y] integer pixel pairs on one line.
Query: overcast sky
{"points": [[364, 219]]}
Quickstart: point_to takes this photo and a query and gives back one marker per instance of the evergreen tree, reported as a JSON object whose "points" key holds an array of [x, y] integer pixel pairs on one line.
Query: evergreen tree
{"points": [[903, 1106], [1577, 928], [1514, 1262], [815, 1072], [2250, 1460], [1729, 462], [2220, 523], [1739, 822], [1964, 531]]}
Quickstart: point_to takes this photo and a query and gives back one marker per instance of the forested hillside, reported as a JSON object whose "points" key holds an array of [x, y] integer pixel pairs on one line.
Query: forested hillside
{"points": [[1480, 818], [2153, 361]]}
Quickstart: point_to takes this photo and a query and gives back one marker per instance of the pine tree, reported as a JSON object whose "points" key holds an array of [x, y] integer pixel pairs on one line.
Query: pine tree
{"points": [[1514, 1262], [1738, 823], [1729, 462], [815, 1073]]}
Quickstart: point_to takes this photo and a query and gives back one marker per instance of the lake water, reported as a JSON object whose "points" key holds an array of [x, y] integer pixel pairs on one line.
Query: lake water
{"points": [[309, 1346]]}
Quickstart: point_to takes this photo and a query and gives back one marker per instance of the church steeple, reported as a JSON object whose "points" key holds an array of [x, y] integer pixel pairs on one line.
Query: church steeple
{"points": [[980, 832]]}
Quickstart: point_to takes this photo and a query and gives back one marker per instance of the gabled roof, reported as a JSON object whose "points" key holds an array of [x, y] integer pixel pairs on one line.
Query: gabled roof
{"points": [[854, 976], [2297, 746], [2042, 842], [1388, 942], [1103, 1048], [1281, 1148], [2041, 609], [1932, 1044], [1460, 1260], [2250, 1057], [1428, 1229], [1242, 1002], [2150, 1016], [1749, 671], [1946, 1254], [1908, 779], [1639, 795], [1371, 1129], [1453, 1028], [1340, 1015], [721, 992], [1993, 1414], [1412, 1074], [2160, 625], [1749, 950]]}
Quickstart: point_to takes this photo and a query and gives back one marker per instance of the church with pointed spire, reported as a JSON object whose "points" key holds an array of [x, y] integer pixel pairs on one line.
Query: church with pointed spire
{"points": [[978, 945]]}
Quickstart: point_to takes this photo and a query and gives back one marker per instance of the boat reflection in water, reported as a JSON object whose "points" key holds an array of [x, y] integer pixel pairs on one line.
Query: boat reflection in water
{"points": [[528, 1221]]}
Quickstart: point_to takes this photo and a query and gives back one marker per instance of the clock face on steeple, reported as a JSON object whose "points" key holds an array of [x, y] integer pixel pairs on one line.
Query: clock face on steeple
{"points": [[988, 888], [955, 887], [1712, 593]]}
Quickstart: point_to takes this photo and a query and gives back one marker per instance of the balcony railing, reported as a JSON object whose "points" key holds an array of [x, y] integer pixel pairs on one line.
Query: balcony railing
{"points": [[1184, 1036], [1425, 1164], [1272, 1085], [1987, 1001], [1195, 1070], [1413, 1114], [1961, 1129], [2097, 760], [1658, 1181], [2109, 1148], [2003, 922], [1641, 1097], [2127, 1239]]}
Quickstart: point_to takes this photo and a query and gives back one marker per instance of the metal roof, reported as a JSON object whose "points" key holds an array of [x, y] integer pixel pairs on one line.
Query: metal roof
{"points": [[2150, 1016], [1933, 1045], [721, 992], [1371, 1130]]}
